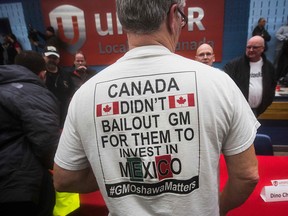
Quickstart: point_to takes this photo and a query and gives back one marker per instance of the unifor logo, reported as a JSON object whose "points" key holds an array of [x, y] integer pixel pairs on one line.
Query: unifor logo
{"points": [[71, 26]]}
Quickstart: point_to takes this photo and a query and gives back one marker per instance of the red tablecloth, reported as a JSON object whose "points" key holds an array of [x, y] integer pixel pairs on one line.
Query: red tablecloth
{"points": [[270, 168]]}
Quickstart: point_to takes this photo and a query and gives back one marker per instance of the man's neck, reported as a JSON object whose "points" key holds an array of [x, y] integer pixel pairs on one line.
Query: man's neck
{"points": [[157, 38]]}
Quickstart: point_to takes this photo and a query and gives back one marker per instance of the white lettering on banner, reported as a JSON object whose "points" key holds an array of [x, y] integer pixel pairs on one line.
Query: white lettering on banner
{"points": [[195, 16], [190, 45], [192, 19], [149, 126], [113, 48]]}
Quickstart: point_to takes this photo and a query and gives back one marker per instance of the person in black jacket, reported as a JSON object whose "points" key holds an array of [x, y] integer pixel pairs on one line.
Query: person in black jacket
{"points": [[58, 81], [255, 75], [261, 31], [282, 65], [29, 135], [80, 72]]}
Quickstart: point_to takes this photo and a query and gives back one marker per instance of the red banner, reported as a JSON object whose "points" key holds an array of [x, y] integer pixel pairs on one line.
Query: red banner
{"points": [[93, 27]]}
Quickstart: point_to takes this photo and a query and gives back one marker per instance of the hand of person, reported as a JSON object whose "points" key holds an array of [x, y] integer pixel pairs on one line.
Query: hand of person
{"points": [[81, 68]]}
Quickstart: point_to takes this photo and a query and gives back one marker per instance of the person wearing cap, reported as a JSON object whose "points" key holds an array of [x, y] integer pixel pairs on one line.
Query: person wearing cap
{"points": [[57, 80], [205, 54], [29, 116], [49, 37]]}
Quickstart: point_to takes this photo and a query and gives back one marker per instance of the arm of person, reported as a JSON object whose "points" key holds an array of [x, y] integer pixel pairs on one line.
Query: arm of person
{"points": [[280, 34], [40, 122], [243, 178], [76, 181], [42, 35], [266, 35], [231, 68], [18, 49]]}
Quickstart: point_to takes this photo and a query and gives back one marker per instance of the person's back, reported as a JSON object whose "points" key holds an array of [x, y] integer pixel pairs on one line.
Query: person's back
{"points": [[29, 132], [153, 127]]}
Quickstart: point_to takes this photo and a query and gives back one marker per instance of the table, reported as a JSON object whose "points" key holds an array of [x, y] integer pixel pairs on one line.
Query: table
{"points": [[270, 168], [278, 110]]}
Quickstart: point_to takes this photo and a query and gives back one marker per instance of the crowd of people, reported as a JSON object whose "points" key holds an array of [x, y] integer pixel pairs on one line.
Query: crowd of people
{"points": [[254, 74], [9, 49], [56, 135]]}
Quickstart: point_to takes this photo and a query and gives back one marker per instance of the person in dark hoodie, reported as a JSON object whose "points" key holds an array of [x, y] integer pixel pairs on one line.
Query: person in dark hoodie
{"points": [[29, 134]]}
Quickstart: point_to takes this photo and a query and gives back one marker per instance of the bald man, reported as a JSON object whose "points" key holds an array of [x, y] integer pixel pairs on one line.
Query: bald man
{"points": [[255, 75], [205, 54]]}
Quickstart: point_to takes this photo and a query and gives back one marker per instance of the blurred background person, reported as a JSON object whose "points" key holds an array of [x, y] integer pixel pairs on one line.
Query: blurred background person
{"points": [[81, 73], [261, 31], [282, 37], [12, 48], [58, 81], [282, 65], [29, 134], [49, 37], [205, 54], [255, 75]]}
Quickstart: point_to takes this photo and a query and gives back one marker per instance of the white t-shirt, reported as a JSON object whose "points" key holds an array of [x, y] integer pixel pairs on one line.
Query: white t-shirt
{"points": [[153, 126], [255, 84]]}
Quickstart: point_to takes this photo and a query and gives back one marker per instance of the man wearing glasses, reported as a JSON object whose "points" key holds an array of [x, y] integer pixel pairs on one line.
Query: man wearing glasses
{"points": [[254, 74], [149, 129], [205, 54]]}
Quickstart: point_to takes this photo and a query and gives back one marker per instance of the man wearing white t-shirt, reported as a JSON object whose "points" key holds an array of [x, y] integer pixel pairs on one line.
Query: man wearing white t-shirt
{"points": [[255, 75], [149, 129]]}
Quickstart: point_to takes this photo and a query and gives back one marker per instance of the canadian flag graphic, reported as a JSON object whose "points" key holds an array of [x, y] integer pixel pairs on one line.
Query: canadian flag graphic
{"points": [[177, 101], [107, 109]]}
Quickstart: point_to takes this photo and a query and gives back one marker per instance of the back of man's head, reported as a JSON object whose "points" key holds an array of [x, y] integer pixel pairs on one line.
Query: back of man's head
{"points": [[31, 60], [143, 17]]}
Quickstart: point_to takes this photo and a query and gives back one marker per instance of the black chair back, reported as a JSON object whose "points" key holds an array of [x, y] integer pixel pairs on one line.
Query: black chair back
{"points": [[263, 145]]}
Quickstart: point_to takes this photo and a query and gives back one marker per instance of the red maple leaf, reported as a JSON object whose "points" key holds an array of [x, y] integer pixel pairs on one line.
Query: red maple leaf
{"points": [[181, 100], [107, 108]]}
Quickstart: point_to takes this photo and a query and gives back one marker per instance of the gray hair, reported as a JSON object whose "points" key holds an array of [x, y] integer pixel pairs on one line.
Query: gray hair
{"points": [[144, 16]]}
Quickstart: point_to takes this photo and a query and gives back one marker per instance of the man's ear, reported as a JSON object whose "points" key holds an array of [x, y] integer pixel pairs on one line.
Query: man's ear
{"points": [[172, 19]]}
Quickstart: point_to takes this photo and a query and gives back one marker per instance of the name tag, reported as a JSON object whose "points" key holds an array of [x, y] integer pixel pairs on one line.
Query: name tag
{"points": [[278, 191]]}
